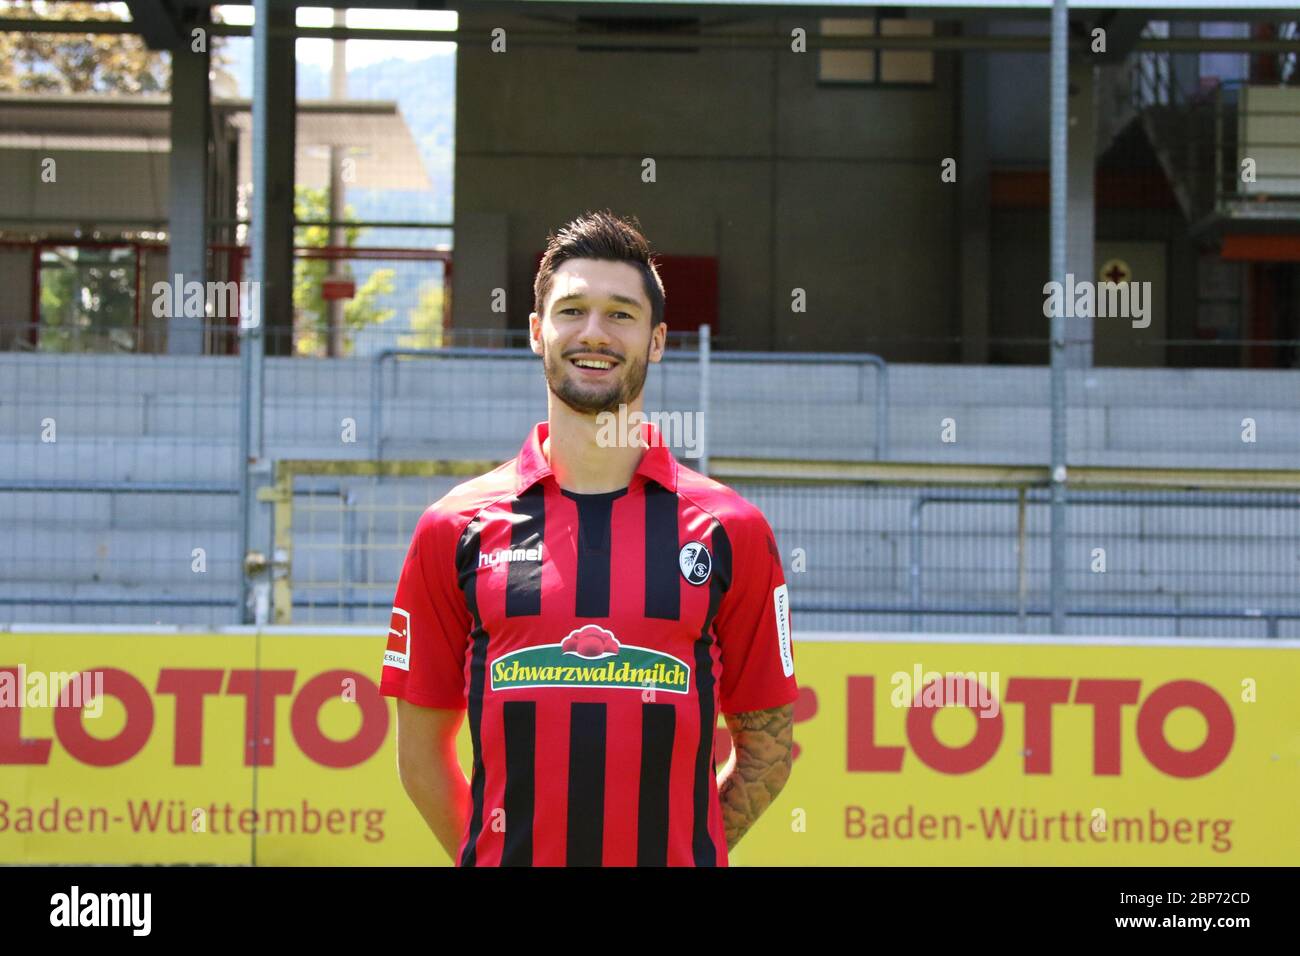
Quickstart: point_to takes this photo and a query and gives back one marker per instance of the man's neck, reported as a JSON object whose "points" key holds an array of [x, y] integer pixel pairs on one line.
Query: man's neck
{"points": [[579, 462]]}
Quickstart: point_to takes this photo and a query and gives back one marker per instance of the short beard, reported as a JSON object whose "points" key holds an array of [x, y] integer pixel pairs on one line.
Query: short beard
{"points": [[585, 401]]}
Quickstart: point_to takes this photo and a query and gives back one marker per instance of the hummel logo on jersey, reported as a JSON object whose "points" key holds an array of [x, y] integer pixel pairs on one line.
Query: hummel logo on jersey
{"points": [[695, 562], [491, 559]]}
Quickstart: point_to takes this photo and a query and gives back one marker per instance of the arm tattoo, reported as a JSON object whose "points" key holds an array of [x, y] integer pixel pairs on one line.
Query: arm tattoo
{"points": [[764, 740]]}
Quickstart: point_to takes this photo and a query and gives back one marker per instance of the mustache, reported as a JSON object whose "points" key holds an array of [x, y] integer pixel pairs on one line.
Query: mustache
{"points": [[613, 355]]}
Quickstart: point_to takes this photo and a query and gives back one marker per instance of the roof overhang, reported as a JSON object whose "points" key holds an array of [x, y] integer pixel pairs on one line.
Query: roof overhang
{"points": [[372, 133]]}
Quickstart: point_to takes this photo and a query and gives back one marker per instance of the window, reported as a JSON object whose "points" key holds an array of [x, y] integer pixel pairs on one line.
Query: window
{"points": [[857, 67]]}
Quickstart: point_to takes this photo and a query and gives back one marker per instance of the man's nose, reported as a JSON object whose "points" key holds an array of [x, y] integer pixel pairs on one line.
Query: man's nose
{"points": [[593, 330]]}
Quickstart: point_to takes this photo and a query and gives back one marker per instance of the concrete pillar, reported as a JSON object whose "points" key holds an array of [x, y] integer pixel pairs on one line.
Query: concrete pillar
{"points": [[1080, 202], [16, 304], [334, 308], [281, 102], [187, 213], [1186, 67], [482, 265], [973, 183]]}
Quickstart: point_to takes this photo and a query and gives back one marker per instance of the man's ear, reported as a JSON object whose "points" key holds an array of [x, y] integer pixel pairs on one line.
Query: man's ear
{"points": [[658, 337], [535, 333]]}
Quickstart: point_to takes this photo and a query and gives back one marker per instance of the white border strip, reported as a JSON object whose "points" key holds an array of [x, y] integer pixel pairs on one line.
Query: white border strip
{"points": [[95, 629], [1082, 640], [1156, 6], [805, 637], [192, 629]]}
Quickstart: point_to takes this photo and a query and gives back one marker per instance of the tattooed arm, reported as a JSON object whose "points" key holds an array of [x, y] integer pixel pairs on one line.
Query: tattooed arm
{"points": [[758, 768]]}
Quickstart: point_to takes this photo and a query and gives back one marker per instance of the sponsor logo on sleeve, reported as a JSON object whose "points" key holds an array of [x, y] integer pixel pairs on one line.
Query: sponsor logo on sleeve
{"points": [[781, 598], [398, 653]]}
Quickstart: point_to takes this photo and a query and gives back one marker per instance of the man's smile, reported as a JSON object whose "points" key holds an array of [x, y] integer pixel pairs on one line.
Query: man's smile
{"points": [[594, 365]]}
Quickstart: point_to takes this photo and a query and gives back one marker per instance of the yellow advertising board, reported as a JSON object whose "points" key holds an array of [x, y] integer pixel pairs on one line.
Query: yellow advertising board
{"points": [[1090, 752], [275, 748]]}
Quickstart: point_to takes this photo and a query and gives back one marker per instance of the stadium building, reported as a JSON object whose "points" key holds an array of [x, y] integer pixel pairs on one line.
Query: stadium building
{"points": [[852, 201], [991, 308]]}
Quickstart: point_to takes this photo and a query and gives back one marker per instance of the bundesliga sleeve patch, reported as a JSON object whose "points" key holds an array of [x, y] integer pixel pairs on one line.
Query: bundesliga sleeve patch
{"points": [[398, 653], [781, 598]]}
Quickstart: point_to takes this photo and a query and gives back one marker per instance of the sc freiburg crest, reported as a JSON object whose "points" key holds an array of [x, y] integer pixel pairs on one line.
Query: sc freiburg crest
{"points": [[696, 562]]}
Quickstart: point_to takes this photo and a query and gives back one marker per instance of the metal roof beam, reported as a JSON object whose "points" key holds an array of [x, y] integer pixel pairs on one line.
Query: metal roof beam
{"points": [[157, 22]]}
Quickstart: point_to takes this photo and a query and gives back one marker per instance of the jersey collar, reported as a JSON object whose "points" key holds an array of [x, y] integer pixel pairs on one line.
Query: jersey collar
{"points": [[657, 463]]}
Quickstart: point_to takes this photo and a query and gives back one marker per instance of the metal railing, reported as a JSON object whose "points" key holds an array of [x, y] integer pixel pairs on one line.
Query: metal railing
{"points": [[74, 486], [1024, 496], [1200, 138], [150, 433], [829, 511], [862, 360], [705, 357]]}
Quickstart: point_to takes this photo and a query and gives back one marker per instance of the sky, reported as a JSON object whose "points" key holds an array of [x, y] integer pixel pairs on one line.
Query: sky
{"points": [[360, 52]]}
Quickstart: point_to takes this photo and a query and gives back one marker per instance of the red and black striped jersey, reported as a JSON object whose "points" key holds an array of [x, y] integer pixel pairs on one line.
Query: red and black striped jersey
{"points": [[593, 639]]}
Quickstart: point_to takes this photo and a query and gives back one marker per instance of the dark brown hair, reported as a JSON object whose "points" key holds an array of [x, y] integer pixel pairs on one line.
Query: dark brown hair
{"points": [[600, 235]]}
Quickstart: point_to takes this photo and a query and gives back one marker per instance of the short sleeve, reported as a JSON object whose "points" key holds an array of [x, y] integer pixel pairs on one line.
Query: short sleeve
{"points": [[753, 622], [428, 633]]}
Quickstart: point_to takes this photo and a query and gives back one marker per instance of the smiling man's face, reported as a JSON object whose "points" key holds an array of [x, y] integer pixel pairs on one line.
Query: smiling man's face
{"points": [[595, 339]]}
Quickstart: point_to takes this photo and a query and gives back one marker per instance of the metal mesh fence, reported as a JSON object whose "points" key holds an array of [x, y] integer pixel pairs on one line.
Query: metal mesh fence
{"points": [[872, 555], [348, 300], [92, 297], [118, 497], [121, 495], [123, 459], [349, 539], [943, 558]]}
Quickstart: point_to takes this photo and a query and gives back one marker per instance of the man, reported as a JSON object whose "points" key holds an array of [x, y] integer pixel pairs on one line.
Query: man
{"points": [[591, 605]]}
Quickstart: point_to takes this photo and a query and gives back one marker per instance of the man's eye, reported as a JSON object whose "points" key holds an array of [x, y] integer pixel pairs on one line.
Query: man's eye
{"points": [[624, 314]]}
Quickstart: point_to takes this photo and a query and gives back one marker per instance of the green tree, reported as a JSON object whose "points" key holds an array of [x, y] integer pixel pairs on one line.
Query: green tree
{"points": [[86, 62], [76, 63], [87, 299], [87, 296], [311, 316], [425, 320]]}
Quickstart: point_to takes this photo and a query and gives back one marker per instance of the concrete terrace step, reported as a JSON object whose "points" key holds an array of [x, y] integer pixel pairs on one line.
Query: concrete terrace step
{"points": [[72, 609], [1251, 457], [151, 417], [92, 377], [110, 459], [203, 592], [33, 513], [158, 556], [1121, 387], [1183, 438]]}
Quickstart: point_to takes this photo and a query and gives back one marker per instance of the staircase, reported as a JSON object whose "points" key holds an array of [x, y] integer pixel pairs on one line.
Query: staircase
{"points": [[1195, 138]]}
